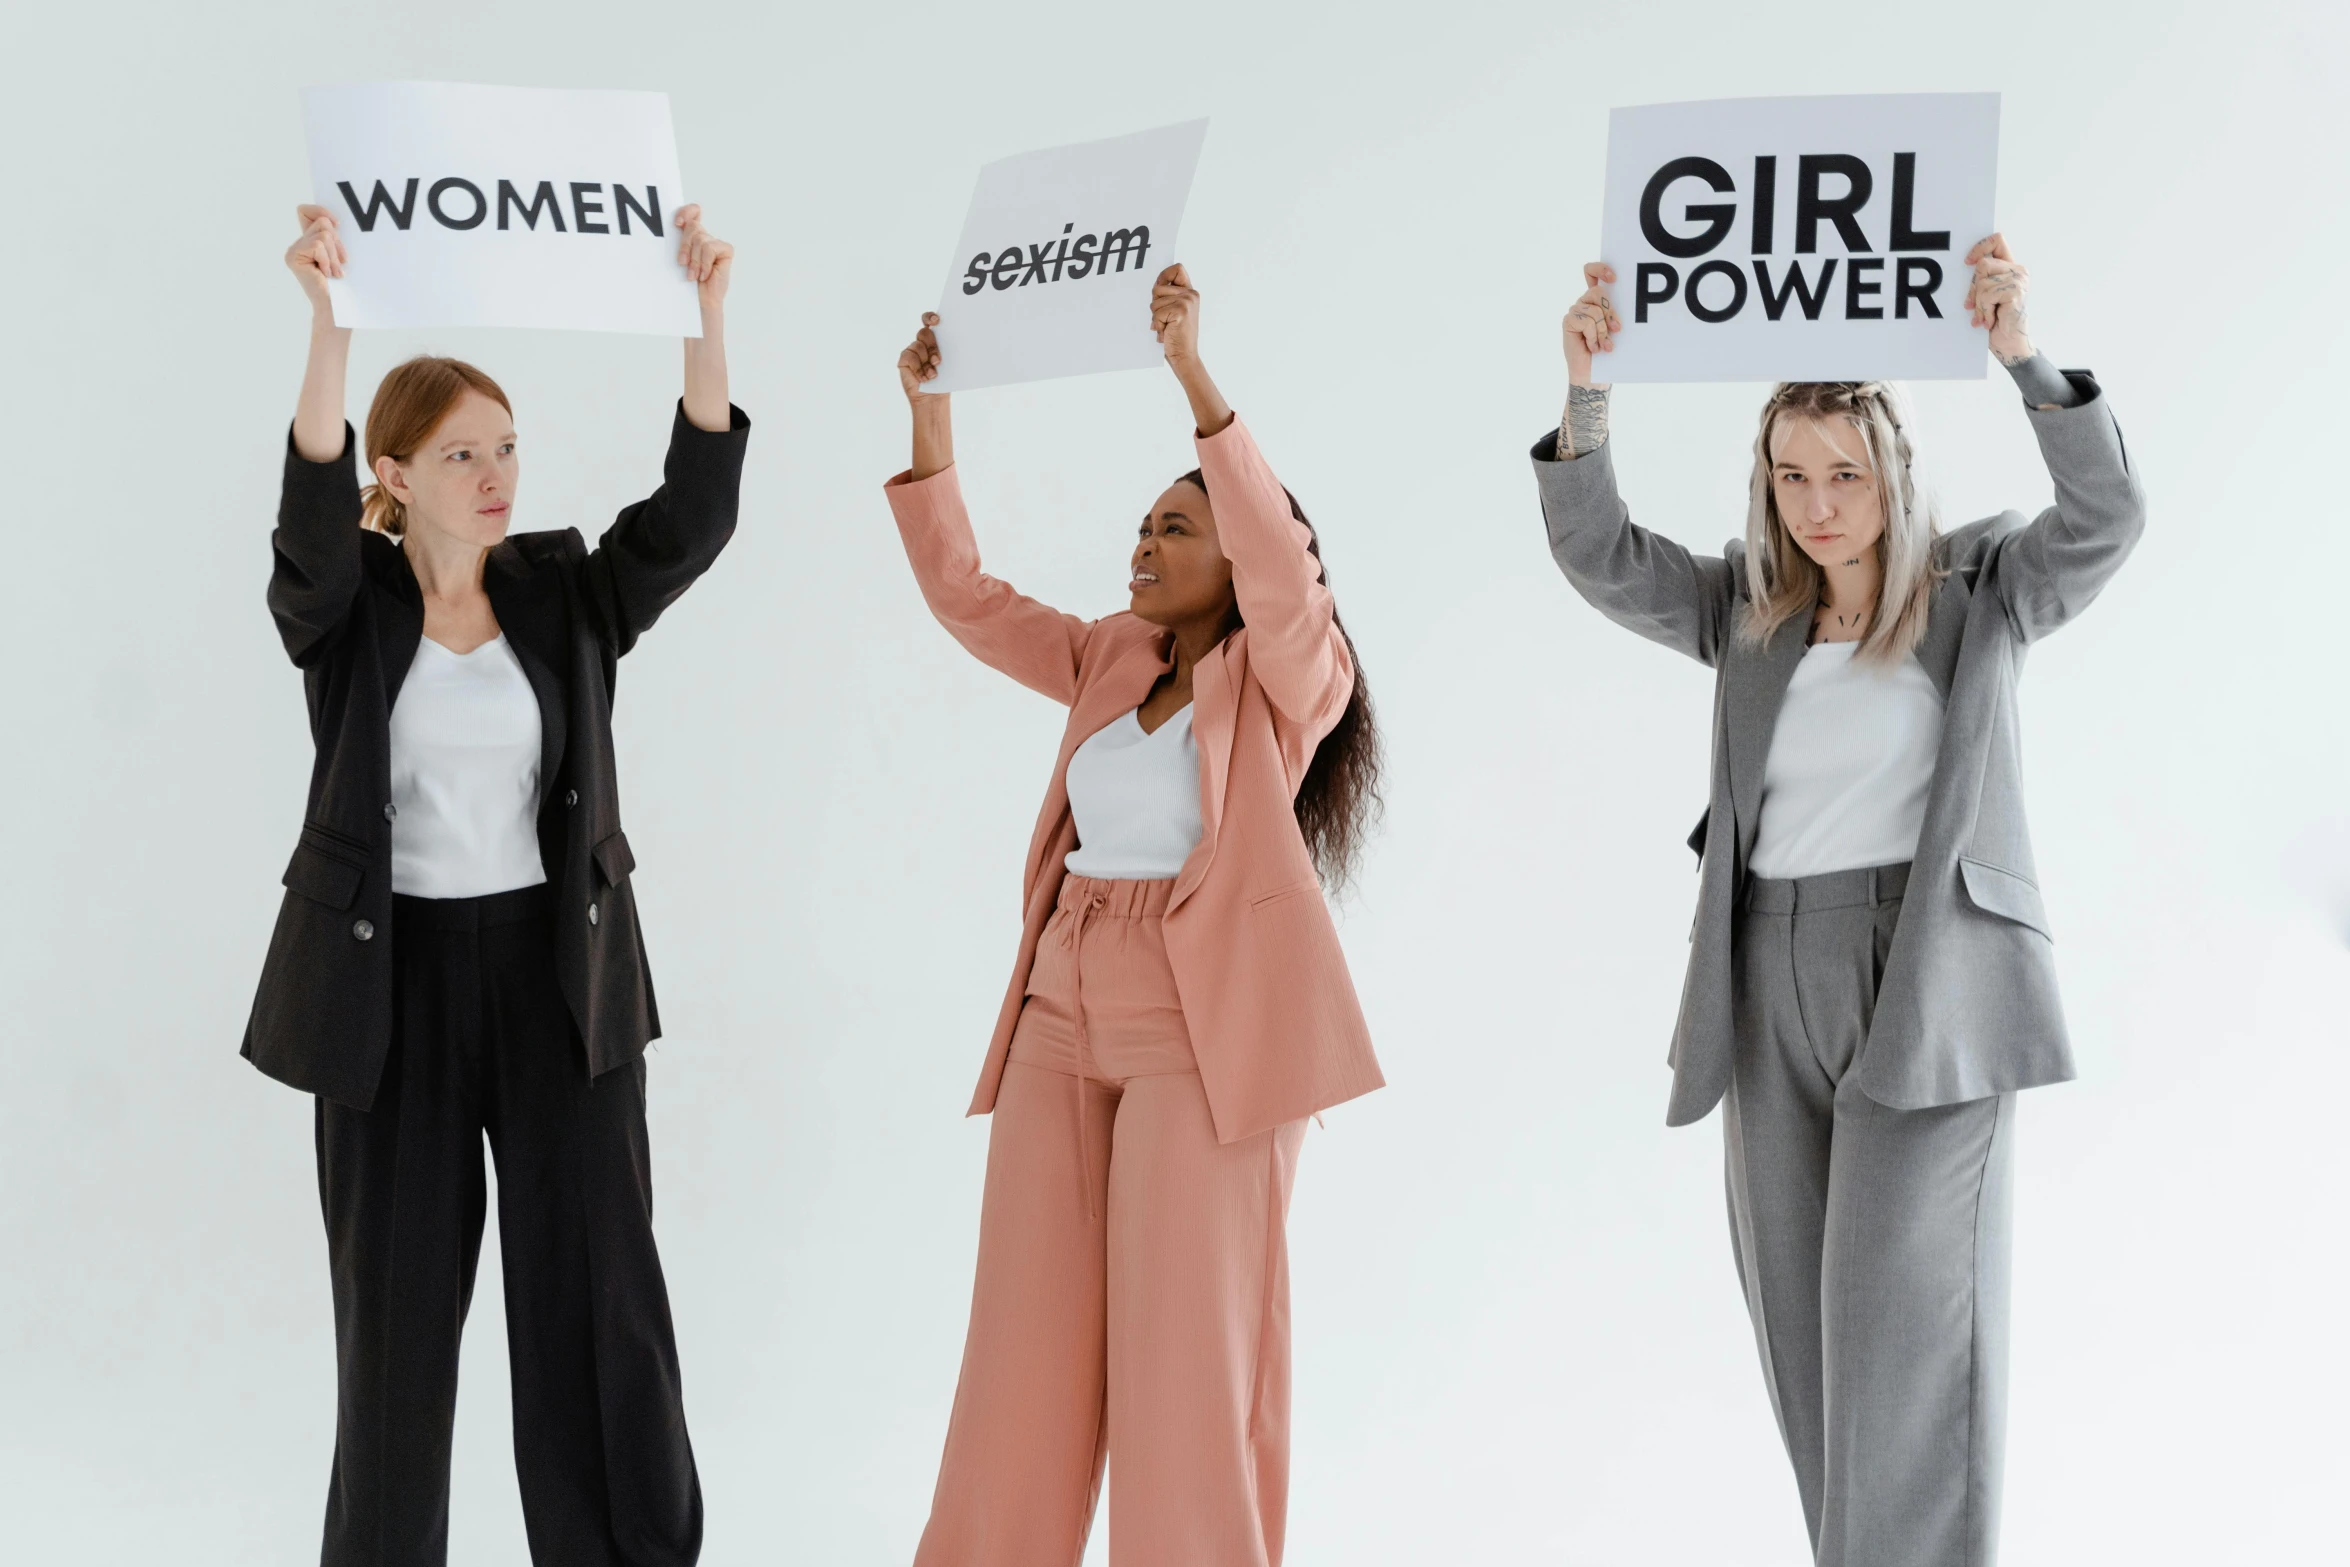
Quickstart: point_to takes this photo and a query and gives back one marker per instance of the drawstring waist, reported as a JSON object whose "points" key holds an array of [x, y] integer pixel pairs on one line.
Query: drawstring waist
{"points": [[1083, 900], [1116, 900]]}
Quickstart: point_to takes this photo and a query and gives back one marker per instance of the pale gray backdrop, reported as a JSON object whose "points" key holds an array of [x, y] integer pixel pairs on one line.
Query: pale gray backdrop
{"points": [[1519, 1338]]}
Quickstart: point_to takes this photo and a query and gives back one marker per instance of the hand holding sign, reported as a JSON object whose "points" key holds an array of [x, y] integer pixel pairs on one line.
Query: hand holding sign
{"points": [[919, 361], [1591, 324], [1175, 315], [317, 256], [707, 259], [1995, 299], [1175, 322]]}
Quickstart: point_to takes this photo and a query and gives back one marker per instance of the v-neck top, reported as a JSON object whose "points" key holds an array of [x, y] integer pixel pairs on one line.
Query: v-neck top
{"points": [[1135, 797], [465, 774]]}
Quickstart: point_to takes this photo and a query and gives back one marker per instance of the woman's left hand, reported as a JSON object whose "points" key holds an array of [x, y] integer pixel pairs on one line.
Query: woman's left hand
{"points": [[1175, 315], [707, 259], [1995, 299]]}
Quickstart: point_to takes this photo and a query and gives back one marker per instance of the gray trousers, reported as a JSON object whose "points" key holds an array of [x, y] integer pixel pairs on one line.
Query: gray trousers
{"points": [[1872, 1243]]}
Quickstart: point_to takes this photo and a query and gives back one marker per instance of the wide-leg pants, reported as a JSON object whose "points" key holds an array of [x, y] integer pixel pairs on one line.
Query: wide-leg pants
{"points": [[1132, 1299], [1872, 1243], [482, 1041]]}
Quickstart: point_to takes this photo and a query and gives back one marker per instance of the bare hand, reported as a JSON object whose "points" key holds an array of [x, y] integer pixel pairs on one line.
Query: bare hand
{"points": [[919, 361], [1996, 299], [1175, 315], [317, 255], [707, 259], [1591, 324]]}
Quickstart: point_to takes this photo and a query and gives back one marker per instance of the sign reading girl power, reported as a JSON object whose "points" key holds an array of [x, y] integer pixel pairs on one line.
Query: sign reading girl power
{"points": [[464, 205], [1798, 239], [1053, 274]]}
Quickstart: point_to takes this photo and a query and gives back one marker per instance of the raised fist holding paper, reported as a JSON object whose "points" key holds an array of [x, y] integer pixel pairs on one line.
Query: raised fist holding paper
{"points": [[1995, 299], [1175, 321], [707, 259], [317, 255], [1591, 324]]}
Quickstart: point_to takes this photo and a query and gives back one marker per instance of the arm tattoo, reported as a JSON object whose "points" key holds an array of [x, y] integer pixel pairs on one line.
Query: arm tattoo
{"points": [[1583, 427]]}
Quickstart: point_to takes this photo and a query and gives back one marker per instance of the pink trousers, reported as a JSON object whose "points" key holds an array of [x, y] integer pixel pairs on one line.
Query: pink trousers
{"points": [[1132, 1301]]}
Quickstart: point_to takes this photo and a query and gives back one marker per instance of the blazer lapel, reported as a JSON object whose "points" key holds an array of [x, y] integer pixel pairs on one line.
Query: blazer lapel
{"points": [[1757, 680], [1119, 688], [1214, 712], [1945, 629], [401, 626], [533, 623]]}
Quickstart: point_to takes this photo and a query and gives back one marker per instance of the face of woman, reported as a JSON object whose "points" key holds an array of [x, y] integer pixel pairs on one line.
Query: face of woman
{"points": [[1180, 574], [1828, 495], [460, 482]]}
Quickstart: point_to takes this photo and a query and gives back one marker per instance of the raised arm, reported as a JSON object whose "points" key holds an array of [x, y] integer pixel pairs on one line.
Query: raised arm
{"points": [[315, 571], [1642, 581], [1033, 643], [656, 549], [1294, 648], [2050, 569]]}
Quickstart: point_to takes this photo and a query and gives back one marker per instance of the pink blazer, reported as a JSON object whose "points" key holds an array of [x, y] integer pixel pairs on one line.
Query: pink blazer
{"points": [[1271, 1008]]}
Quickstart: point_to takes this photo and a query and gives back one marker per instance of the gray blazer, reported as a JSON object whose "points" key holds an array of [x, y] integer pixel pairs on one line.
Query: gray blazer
{"points": [[1967, 1006]]}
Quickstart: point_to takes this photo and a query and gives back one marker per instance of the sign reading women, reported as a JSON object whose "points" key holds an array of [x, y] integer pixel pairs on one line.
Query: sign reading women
{"points": [[464, 205], [1053, 273], [1798, 239]]}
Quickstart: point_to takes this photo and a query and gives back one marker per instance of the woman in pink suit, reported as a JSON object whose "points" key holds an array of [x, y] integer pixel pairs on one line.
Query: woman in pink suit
{"points": [[1178, 1008]]}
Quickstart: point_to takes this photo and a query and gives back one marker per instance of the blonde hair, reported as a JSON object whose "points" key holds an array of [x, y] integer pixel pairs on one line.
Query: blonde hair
{"points": [[1782, 581], [408, 407]]}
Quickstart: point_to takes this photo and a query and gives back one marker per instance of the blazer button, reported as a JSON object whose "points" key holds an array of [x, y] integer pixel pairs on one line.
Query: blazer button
{"points": [[364, 930], [591, 914], [571, 797], [390, 810]]}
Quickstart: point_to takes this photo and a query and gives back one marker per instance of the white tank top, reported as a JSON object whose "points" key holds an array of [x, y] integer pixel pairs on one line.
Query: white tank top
{"points": [[1851, 762], [1136, 800], [465, 774]]}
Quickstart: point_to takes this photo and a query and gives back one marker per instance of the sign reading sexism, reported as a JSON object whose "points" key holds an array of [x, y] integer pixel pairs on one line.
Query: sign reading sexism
{"points": [[464, 205], [1798, 239], [1053, 274]]}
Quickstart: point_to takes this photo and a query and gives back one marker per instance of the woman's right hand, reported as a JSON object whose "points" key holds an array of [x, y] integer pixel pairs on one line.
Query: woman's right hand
{"points": [[1591, 324], [919, 362], [317, 256]]}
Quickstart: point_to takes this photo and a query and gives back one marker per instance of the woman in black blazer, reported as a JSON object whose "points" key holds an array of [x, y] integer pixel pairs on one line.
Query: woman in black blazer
{"points": [[457, 953]]}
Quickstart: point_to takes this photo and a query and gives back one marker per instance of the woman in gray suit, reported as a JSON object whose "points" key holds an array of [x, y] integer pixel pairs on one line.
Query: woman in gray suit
{"points": [[1870, 978]]}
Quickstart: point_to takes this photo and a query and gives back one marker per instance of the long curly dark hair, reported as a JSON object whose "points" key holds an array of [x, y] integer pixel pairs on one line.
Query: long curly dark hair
{"points": [[1339, 801]]}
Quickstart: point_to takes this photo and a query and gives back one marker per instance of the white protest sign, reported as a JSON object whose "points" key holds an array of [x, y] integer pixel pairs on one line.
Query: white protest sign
{"points": [[464, 205], [1053, 274], [1798, 239]]}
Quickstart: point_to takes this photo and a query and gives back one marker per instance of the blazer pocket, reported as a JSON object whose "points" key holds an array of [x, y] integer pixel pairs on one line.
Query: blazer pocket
{"points": [[614, 859], [323, 878], [2003, 893], [1280, 893]]}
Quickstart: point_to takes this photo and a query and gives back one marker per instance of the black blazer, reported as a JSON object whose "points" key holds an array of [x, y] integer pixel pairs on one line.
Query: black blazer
{"points": [[350, 613]]}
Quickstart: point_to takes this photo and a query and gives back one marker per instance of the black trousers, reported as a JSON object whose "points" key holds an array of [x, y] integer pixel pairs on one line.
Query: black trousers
{"points": [[482, 1042]]}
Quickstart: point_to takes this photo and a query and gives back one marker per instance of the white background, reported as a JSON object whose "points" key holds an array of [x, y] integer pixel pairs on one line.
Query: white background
{"points": [[1955, 140], [1075, 325], [1519, 1338], [534, 273]]}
